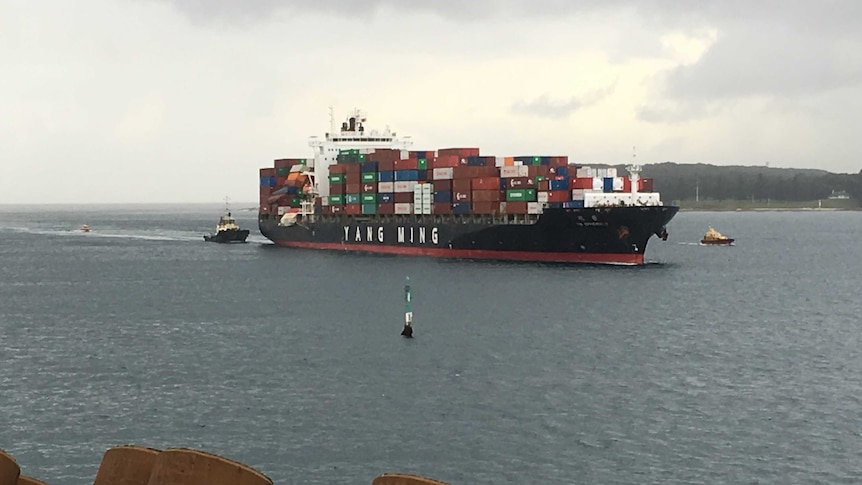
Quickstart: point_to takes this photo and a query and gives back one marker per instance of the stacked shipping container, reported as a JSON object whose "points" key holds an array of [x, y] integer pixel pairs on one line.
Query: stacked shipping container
{"points": [[448, 181]]}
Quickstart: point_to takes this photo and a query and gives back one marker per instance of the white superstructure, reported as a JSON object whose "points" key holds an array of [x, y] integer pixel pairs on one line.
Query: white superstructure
{"points": [[350, 135]]}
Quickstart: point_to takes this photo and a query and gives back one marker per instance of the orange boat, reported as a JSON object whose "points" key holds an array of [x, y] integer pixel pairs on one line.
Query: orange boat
{"points": [[715, 238]]}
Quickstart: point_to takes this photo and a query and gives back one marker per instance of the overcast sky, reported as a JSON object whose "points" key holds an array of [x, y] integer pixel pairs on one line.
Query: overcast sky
{"points": [[183, 100]]}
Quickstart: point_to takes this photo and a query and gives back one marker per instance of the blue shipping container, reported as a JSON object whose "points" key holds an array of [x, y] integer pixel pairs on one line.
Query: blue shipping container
{"points": [[560, 184], [369, 166], [609, 184], [388, 176], [443, 196], [268, 182], [385, 198], [406, 175], [461, 208], [475, 162], [562, 172], [573, 204]]}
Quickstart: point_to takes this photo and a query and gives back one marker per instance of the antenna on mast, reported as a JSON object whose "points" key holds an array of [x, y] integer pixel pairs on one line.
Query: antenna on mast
{"points": [[331, 120]]}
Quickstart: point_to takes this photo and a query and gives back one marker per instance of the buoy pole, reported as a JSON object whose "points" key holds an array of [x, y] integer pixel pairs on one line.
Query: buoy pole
{"points": [[408, 314]]}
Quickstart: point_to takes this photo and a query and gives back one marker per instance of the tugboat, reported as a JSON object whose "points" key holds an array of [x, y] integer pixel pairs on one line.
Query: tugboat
{"points": [[715, 238], [227, 231]]}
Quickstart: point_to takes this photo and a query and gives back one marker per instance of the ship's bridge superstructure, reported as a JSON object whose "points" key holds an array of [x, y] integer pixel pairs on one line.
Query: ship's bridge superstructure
{"points": [[350, 135]]}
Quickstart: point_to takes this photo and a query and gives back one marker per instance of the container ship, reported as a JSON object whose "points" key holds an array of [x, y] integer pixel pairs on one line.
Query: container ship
{"points": [[369, 191]]}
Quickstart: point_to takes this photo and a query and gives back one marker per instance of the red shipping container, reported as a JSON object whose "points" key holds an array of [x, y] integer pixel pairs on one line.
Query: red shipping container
{"points": [[442, 208], [458, 196], [486, 207], [353, 178], [408, 164], [386, 165], [353, 168], [627, 184], [543, 185], [402, 197], [539, 171], [280, 181], [338, 189], [353, 188], [559, 161], [443, 161], [369, 188], [264, 208], [459, 152], [515, 207], [486, 183], [338, 168], [559, 196], [336, 209], [353, 209], [645, 185], [461, 185], [486, 195], [442, 186], [386, 209], [267, 172], [520, 183], [581, 183], [266, 192]]}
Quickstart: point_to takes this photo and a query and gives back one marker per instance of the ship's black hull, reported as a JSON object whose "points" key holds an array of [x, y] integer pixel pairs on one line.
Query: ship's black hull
{"points": [[229, 236], [615, 235]]}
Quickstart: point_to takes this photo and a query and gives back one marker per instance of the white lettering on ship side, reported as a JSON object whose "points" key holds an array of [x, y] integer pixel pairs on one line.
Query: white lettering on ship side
{"points": [[346, 233], [434, 238], [422, 235], [380, 234], [411, 234], [400, 234], [369, 231], [358, 237]]}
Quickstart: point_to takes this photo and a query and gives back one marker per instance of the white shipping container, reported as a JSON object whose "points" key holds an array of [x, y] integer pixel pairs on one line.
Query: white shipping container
{"points": [[542, 196], [403, 186], [427, 188], [646, 198], [384, 187], [578, 194], [618, 182], [611, 172], [499, 161], [426, 209], [598, 183], [584, 172], [534, 208], [515, 171], [443, 173], [403, 208]]}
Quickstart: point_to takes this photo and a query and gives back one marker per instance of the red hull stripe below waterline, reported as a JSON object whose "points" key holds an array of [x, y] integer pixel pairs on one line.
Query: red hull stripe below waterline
{"points": [[613, 258]]}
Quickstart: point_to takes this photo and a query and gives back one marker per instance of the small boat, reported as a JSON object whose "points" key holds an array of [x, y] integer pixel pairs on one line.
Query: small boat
{"points": [[715, 238], [227, 231], [85, 228]]}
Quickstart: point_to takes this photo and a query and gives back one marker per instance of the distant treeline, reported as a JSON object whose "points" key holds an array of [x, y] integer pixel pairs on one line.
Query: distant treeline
{"points": [[687, 181]]}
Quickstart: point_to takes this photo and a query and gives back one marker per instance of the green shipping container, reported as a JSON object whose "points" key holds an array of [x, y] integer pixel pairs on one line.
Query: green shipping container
{"points": [[369, 176], [336, 199], [369, 198], [352, 199], [423, 164], [521, 195], [282, 171], [369, 208], [336, 178], [295, 202]]}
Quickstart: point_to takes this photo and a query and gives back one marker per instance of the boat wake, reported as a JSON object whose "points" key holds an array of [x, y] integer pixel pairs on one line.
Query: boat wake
{"points": [[106, 235]]}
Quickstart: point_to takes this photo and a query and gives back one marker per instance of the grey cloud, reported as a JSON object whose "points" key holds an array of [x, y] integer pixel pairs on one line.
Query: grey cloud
{"points": [[545, 107]]}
